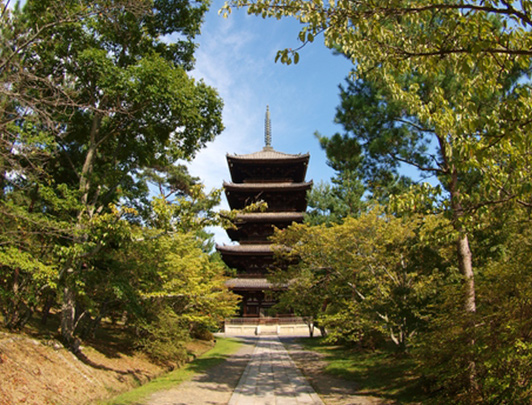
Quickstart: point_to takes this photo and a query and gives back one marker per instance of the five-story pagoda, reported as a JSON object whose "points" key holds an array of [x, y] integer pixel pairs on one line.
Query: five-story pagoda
{"points": [[278, 179]]}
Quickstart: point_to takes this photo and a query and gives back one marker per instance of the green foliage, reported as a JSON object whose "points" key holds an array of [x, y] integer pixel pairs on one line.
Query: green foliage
{"points": [[377, 137], [366, 277], [502, 329], [164, 338], [179, 273], [347, 324], [379, 279], [157, 278], [23, 282], [332, 203], [94, 108], [29, 270]]}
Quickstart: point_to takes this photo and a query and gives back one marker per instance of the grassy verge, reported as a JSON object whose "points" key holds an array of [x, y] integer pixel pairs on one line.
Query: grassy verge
{"points": [[381, 373], [223, 348]]}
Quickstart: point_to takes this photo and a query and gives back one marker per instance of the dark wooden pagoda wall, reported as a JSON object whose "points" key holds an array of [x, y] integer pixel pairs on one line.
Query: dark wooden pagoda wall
{"points": [[260, 173], [284, 190], [284, 200], [255, 232], [255, 303], [250, 265]]}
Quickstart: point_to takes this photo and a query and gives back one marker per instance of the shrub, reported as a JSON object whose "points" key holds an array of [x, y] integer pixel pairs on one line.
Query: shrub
{"points": [[349, 326], [163, 340]]}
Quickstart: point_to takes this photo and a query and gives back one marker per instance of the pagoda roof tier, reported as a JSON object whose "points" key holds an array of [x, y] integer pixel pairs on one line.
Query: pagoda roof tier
{"points": [[245, 250], [269, 217], [252, 259], [245, 284], [267, 165], [280, 197], [248, 284], [258, 227], [268, 154]]}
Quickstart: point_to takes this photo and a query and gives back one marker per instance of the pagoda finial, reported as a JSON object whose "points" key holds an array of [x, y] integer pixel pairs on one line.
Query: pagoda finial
{"points": [[268, 130]]}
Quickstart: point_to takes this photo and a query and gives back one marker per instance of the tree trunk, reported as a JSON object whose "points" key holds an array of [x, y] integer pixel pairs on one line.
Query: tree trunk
{"points": [[13, 312], [470, 306], [86, 171], [310, 325], [465, 264], [46, 308], [68, 309], [68, 313], [465, 259], [93, 326], [5, 153]]}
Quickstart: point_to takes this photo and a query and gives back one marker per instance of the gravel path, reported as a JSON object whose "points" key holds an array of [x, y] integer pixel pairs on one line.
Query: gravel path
{"points": [[215, 386], [332, 390]]}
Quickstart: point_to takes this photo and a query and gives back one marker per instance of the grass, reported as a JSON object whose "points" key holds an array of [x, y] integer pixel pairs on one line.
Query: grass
{"points": [[223, 348], [381, 373]]}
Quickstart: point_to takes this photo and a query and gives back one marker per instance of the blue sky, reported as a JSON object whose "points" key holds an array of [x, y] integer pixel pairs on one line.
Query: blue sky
{"points": [[237, 57]]}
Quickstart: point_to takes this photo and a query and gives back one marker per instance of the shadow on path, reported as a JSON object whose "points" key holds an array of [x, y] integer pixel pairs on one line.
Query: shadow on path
{"points": [[212, 386]]}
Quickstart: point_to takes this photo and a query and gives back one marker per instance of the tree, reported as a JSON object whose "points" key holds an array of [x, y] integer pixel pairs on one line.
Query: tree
{"points": [[376, 137], [390, 136], [502, 328], [366, 277], [371, 31], [463, 54], [94, 88], [331, 203], [182, 294], [387, 137], [301, 294]]}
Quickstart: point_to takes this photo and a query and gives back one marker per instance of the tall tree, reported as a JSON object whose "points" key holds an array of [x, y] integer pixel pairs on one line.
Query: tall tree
{"points": [[113, 99], [331, 203], [374, 141], [391, 136]]}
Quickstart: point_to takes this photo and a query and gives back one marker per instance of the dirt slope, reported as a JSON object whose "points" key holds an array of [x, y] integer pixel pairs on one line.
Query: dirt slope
{"points": [[43, 372]]}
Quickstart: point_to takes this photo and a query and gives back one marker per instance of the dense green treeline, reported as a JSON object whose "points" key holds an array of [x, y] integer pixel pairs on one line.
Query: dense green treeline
{"points": [[380, 254], [438, 266], [96, 111]]}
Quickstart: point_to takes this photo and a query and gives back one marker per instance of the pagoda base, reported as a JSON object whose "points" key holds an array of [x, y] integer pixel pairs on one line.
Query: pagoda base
{"points": [[279, 326]]}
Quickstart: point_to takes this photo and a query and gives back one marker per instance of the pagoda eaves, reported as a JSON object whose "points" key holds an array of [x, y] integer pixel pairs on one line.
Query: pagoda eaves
{"points": [[267, 165], [280, 197]]}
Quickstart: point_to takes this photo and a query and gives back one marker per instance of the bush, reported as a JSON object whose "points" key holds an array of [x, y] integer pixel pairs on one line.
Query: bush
{"points": [[500, 330], [163, 340], [202, 333], [349, 326]]}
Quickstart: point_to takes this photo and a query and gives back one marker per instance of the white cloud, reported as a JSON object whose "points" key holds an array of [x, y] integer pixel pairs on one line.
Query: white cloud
{"points": [[223, 62]]}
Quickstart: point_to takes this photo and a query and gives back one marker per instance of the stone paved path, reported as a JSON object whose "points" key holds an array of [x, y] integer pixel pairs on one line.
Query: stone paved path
{"points": [[271, 378]]}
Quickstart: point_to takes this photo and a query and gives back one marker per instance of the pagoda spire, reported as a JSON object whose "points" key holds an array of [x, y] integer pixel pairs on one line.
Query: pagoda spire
{"points": [[267, 130]]}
